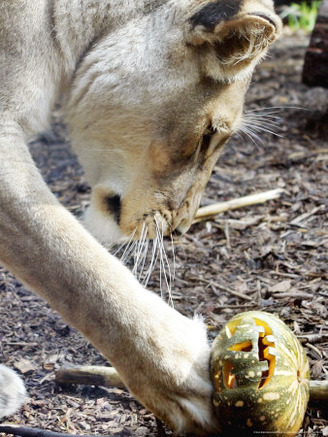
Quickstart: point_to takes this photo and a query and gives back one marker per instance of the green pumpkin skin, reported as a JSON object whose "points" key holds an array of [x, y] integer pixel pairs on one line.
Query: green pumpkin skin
{"points": [[260, 374]]}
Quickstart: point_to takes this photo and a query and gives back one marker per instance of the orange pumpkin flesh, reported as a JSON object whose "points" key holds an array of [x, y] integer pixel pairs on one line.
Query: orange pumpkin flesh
{"points": [[260, 374]]}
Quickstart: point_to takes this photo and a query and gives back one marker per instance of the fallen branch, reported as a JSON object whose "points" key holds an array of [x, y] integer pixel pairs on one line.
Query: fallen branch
{"points": [[89, 375], [209, 211], [109, 377], [318, 390]]}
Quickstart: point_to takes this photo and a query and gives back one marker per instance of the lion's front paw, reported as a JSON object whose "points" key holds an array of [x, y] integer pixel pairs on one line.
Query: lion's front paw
{"points": [[185, 404], [174, 381], [12, 392], [191, 411]]}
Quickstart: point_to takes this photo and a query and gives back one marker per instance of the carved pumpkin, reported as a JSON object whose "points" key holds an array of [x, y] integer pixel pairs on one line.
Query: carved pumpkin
{"points": [[260, 374]]}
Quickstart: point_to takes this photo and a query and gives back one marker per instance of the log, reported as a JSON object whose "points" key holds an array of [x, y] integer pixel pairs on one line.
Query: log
{"points": [[315, 69], [89, 375], [209, 211], [318, 391], [109, 377]]}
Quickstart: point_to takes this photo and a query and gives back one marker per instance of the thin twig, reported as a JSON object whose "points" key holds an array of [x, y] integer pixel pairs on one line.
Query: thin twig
{"points": [[209, 211], [230, 291]]}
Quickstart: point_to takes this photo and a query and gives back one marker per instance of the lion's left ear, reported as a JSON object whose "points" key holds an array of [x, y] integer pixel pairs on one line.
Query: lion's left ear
{"points": [[237, 32]]}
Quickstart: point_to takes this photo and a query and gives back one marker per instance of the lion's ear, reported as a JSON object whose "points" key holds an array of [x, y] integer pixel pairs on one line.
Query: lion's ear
{"points": [[237, 33]]}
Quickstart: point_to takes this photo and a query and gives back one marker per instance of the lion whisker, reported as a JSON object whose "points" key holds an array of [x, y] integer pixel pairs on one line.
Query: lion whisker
{"points": [[267, 110], [255, 139], [259, 121], [158, 236], [125, 244], [173, 256], [263, 121], [257, 127], [164, 264], [264, 116], [152, 263], [143, 265], [143, 256], [130, 249], [138, 252]]}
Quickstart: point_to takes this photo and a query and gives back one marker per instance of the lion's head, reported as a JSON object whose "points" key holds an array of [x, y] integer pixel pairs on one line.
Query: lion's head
{"points": [[154, 102]]}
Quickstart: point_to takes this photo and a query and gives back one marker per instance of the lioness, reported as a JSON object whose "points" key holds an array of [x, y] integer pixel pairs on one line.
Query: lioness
{"points": [[152, 91]]}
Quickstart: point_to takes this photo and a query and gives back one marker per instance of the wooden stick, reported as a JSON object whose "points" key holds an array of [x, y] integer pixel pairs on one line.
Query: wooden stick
{"points": [[318, 390], [230, 291], [89, 375], [109, 377], [209, 211]]}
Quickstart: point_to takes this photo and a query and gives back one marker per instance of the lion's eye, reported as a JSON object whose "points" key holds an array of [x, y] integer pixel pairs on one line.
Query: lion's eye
{"points": [[209, 130], [207, 136]]}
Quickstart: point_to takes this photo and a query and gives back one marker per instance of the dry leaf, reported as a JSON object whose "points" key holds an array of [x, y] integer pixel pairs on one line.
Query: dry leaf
{"points": [[281, 287], [24, 366]]}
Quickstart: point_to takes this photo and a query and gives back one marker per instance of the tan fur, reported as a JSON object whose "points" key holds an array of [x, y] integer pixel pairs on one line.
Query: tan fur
{"points": [[152, 92]]}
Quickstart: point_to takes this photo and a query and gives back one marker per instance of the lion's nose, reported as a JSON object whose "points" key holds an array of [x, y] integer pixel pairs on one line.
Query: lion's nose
{"points": [[113, 204], [183, 226]]}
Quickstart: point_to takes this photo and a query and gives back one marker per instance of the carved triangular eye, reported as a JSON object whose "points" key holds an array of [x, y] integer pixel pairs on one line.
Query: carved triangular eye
{"points": [[233, 35]]}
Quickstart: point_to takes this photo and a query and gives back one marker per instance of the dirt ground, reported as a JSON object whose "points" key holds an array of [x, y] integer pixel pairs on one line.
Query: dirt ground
{"points": [[275, 256]]}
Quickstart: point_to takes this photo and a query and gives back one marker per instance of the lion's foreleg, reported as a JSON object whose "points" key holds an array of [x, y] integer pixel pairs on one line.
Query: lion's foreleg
{"points": [[161, 356]]}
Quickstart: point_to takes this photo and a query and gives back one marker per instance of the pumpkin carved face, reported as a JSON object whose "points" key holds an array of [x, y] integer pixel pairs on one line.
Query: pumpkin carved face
{"points": [[260, 374]]}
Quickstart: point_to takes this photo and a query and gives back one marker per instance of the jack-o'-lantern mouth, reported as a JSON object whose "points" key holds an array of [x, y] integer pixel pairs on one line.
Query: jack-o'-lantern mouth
{"points": [[258, 349]]}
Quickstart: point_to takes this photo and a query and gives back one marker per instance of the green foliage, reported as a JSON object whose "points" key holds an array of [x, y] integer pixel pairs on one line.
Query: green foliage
{"points": [[301, 16]]}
